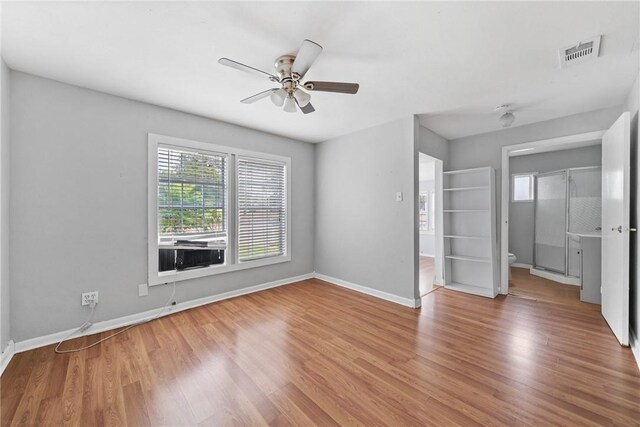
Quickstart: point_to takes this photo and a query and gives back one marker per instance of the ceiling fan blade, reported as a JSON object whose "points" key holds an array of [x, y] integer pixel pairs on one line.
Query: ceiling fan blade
{"points": [[258, 96], [338, 87], [305, 57], [307, 108], [242, 67]]}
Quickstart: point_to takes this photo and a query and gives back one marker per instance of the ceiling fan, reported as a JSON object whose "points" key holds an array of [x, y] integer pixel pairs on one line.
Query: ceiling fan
{"points": [[290, 69]]}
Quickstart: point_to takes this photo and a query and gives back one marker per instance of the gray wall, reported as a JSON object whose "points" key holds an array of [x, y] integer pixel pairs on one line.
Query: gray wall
{"points": [[634, 290], [5, 321], [363, 235], [79, 204], [434, 145], [486, 149], [521, 214]]}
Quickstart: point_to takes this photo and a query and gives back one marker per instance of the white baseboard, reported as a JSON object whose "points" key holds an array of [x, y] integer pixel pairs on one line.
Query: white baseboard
{"points": [[427, 255], [6, 356], [408, 302], [556, 277], [520, 265], [146, 315], [120, 322], [635, 346]]}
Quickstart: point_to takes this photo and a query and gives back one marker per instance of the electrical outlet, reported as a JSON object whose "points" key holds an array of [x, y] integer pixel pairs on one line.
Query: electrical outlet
{"points": [[89, 297]]}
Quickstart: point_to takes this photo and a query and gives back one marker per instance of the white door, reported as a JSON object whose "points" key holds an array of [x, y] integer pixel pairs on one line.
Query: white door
{"points": [[616, 157]]}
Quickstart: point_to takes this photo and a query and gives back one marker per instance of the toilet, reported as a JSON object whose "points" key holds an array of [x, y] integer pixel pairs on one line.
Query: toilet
{"points": [[512, 258]]}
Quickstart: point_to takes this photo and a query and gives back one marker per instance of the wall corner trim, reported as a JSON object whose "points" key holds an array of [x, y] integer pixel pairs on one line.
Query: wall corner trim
{"points": [[7, 354], [635, 346], [119, 322], [407, 302]]}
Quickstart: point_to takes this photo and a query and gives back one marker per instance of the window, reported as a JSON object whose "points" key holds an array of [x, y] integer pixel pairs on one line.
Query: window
{"points": [[522, 187], [214, 209], [424, 212], [427, 211], [192, 194], [261, 209]]}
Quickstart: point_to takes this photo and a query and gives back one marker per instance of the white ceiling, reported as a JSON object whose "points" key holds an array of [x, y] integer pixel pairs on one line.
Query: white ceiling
{"points": [[452, 63]]}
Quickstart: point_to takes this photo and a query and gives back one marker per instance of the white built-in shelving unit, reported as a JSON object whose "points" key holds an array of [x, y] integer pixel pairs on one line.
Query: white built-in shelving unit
{"points": [[470, 244]]}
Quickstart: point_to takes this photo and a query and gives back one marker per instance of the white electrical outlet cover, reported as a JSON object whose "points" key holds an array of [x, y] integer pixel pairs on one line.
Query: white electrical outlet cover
{"points": [[89, 297], [399, 196]]}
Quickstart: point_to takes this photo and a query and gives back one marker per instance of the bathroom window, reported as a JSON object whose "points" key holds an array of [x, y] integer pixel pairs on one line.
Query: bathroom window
{"points": [[522, 187]]}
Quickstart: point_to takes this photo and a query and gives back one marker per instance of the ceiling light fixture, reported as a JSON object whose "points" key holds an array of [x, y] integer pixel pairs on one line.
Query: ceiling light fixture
{"points": [[507, 118], [302, 97], [278, 97], [290, 105]]}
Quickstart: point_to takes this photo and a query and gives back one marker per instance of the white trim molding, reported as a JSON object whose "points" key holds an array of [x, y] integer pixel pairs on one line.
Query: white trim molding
{"points": [[150, 314], [556, 277], [120, 322], [407, 302], [521, 265], [6, 356], [635, 346]]}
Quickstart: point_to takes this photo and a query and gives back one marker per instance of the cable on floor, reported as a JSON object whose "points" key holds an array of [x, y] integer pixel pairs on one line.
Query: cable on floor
{"points": [[86, 325]]}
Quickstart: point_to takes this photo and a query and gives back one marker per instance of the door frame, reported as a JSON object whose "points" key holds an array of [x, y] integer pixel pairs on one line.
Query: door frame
{"points": [[439, 224], [523, 149]]}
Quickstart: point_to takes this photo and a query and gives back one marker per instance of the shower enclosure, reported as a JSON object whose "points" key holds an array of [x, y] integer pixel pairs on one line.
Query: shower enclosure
{"points": [[565, 201]]}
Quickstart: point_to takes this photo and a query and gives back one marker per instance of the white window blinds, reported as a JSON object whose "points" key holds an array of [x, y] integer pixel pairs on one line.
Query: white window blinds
{"points": [[262, 202], [192, 194]]}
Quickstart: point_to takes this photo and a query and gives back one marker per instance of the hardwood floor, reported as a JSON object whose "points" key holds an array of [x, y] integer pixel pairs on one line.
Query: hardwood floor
{"points": [[312, 353], [427, 274], [524, 284]]}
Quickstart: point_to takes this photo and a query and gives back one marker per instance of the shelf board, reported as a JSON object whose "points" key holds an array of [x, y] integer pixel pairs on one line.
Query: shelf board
{"points": [[465, 210], [473, 170], [469, 258], [486, 187], [454, 236], [471, 289]]}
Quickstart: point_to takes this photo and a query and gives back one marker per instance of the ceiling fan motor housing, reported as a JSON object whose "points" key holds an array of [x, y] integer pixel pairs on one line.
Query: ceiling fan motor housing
{"points": [[283, 66]]}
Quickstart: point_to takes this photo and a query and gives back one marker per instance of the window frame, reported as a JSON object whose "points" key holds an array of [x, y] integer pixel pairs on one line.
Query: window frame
{"points": [[231, 253], [532, 184]]}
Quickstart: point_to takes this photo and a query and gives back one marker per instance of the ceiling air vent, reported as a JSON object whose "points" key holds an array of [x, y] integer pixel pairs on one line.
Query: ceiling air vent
{"points": [[579, 53]]}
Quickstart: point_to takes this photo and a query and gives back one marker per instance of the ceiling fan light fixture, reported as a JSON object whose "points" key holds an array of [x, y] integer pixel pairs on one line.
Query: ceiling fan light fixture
{"points": [[278, 97], [302, 97], [507, 119], [290, 105]]}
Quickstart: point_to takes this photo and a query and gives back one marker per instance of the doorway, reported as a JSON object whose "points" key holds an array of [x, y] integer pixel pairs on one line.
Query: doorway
{"points": [[430, 224], [616, 226], [554, 226]]}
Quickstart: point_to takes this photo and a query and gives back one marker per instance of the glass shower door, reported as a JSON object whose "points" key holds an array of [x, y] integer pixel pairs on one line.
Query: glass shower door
{"points": [[550, 237]]}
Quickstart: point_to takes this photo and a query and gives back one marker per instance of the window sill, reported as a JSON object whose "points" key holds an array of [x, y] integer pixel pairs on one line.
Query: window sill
{"points": [[171, 276]]}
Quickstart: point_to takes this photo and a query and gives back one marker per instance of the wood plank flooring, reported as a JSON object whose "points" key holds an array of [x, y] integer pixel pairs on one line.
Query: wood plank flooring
{"points": [[427, 275], [524, 284], [315, 354]]}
